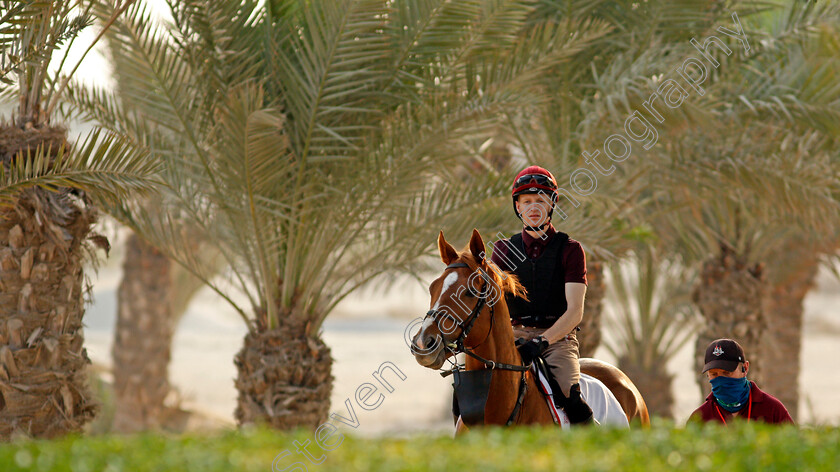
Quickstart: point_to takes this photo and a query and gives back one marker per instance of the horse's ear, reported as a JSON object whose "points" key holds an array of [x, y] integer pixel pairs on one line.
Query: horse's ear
{"points": [[447, 252], [477, 246]]}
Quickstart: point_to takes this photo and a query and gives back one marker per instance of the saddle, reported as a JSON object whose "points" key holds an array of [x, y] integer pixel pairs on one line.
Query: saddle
{"points": [[605, 406]]}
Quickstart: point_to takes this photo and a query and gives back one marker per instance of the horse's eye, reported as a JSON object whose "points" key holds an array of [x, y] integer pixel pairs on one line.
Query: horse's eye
{"points": [[468, 293]]}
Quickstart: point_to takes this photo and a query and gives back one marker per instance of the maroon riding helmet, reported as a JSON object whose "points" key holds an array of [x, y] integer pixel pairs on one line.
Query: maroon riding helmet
{"points": [[534, 179]]}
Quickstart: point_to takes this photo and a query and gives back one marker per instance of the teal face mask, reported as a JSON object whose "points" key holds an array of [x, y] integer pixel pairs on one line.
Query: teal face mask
{"points": [[731, 394]]}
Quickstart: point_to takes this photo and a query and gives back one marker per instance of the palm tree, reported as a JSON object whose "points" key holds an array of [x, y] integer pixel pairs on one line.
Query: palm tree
{"points": [[50, 193], [152, 297], [155, 291], [793, 269], [791, 274], [741, 207], [329, 163], [765, 179], [697, 194], [654, 317], [590, 336], [592, 94]]}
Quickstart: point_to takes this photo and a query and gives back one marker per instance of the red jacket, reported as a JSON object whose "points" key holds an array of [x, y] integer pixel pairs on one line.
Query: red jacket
{"points": [[764, 407]]}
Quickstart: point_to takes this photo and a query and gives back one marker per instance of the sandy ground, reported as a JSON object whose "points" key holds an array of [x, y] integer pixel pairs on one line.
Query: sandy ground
{"points": [[367, 330]]}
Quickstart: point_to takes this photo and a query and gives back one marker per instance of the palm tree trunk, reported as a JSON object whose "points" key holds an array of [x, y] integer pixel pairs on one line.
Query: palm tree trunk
{"points": [[143, 338], [43, 364], [589, 336], [654, 385], [792, 279], [285, 378], [733, 300]]}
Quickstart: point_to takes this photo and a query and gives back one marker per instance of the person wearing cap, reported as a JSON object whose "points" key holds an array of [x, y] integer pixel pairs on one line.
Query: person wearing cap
{"points": [[733, 395], [552, 268]]}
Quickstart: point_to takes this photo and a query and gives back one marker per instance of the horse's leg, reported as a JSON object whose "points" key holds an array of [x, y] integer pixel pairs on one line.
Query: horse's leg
{"points": [[460, 427], [621, 386]]}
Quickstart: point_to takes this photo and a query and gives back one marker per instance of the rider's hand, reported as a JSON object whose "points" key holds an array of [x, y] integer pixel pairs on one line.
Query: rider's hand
{"points": [[530, 350]]}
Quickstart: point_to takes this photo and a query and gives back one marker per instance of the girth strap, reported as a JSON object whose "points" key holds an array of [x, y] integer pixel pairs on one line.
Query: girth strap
{"points": [[523, 387]]}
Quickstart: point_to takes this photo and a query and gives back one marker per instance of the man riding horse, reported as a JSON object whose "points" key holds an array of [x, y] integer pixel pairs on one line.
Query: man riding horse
{"points": [[552, 267], [494, 386]]}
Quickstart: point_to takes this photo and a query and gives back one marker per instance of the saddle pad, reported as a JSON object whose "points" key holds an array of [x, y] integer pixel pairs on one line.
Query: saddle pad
{"points": [[605, 407]]}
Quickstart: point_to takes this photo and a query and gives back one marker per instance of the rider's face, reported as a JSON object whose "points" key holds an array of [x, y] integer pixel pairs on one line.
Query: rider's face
{"points": [[533, 207]]}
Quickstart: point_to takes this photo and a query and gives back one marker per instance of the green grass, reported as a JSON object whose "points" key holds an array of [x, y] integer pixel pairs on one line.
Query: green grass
{"points": [[719, 449]]}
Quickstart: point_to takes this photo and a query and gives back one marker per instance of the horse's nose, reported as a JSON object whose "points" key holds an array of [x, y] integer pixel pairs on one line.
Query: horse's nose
{"points": [[426, 344]]}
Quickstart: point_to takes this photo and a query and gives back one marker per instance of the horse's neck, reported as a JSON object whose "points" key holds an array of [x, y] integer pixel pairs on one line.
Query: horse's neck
{"points": [[499, 344], [499, 347]]}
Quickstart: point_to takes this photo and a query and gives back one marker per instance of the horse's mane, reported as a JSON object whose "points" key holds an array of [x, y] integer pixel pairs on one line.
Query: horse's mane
{"points": [[508, 283]]}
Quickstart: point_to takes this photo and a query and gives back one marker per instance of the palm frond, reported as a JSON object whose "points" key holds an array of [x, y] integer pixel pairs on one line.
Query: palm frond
{"points": [[44, 27], [14, 16], [745, 190], [654, 316], [104, 165]]}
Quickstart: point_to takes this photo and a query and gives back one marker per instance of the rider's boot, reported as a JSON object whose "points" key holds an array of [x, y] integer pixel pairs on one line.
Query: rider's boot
{"points": [[576, 409]]}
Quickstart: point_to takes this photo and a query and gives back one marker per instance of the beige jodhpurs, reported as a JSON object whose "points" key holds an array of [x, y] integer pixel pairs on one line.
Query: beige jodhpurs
{"points": [[562, 356]]}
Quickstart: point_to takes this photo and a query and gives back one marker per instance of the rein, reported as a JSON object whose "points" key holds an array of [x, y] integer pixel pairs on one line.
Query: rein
{"points": [[457, 346]]}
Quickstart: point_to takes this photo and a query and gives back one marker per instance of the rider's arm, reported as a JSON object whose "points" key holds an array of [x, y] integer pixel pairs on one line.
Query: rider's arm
{"points": [[575, 293]]}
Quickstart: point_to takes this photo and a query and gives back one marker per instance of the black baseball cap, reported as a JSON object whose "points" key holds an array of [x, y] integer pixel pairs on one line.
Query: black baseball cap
{"points": [[723, 354]]}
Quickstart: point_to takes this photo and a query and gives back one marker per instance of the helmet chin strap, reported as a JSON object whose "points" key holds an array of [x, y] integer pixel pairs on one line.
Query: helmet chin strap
{"points": [[537, 229]]}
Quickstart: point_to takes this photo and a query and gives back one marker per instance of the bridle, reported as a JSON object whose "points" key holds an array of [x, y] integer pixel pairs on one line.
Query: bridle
{"points": [[457, 346]]}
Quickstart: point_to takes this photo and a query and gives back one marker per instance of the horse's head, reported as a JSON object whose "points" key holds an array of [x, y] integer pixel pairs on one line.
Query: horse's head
{"points": [[462, 301]]}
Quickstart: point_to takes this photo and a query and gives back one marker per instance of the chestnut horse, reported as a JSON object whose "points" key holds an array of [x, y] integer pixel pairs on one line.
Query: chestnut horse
{"points": [[483, 331]]}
